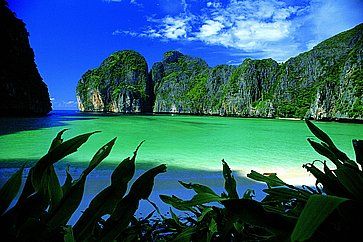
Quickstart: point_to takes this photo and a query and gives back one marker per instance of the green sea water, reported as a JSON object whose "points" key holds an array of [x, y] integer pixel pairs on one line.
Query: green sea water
{"points": [[185, 142]]}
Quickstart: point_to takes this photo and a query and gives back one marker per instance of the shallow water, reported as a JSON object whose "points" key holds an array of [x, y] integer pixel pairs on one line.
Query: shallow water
{"points": [[188, 142]]}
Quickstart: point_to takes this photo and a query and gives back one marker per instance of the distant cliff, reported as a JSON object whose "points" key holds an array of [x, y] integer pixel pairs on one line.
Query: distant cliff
{"points": [[22, 91], [120, 84], [323, 83]]}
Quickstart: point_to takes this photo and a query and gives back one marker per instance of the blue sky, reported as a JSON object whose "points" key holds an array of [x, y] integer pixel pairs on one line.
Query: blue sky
{"points": [[71, 36]]}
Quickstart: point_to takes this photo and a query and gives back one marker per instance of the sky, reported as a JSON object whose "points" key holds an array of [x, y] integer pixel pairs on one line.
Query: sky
{"points": [[70, 37]]}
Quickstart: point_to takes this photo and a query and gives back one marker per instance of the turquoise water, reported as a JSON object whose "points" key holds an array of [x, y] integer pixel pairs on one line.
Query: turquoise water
{"points": [[187, 142], [191, 146]]}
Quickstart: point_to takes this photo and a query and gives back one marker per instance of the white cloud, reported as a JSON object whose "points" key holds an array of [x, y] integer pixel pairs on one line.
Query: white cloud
{"points": [[261, 28], [215, 4], [209, 28], [174, 28]]}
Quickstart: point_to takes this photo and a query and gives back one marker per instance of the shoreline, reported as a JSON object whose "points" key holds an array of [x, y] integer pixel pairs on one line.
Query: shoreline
{"points": [[106, 113]]}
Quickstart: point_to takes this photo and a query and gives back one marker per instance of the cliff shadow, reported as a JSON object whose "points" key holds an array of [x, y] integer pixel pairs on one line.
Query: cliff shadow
{"points": [[165, 183], [9, 125]]}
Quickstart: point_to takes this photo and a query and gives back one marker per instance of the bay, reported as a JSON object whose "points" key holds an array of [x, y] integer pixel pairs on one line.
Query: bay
{"points": [[191, 146]]}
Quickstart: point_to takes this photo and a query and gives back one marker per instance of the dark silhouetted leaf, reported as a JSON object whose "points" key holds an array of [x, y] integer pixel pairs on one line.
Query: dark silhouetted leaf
{"points": [[252, 212], [229, 181], [10, 189], [358, 149], [198, 199], [352, 180], [319, 133], [60, 215], [68, 182], [316, 210], [106, 201], [57, 140], [325, 151], [271, 179], [198, 188], [68, 236], [125, 209], [60, 151]]}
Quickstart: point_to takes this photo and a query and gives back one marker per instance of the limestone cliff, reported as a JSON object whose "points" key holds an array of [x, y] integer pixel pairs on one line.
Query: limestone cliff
{"points": [[323, 83], [119, 84], [22, 91], [178, 82]]}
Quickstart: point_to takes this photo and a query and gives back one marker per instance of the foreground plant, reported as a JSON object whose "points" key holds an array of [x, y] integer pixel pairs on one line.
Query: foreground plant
{"points": [[45, 207], [330, 211]]}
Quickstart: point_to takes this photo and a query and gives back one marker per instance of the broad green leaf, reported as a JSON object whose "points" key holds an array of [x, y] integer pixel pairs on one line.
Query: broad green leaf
{"points": [[70, 201], [28, 188], [320, 134], [316, 210], [287, 193], [10, 189], [54, 188], [229, 181], [126, 208], [198, 199], [143, 186], [57, 140], [352, 180], [325, 151], [68, 235], [68, 182], [252, 212], [271, 179], [185, 235], [100, 155], [331, 185], [358, 149], [205, 211], [106, 201], [60, 151], [198, 188], [329, 145], [126, 170], [175, 218], [60, 215], [176, 203], [212, 229]]}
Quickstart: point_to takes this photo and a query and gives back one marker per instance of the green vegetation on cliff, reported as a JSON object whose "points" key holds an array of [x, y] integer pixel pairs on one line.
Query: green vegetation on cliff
{"points": [[119, 84], [323, 83]]}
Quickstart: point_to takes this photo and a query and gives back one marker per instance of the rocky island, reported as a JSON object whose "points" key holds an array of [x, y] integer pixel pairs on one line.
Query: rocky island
{"points": [[22, 90], [325, 83]]}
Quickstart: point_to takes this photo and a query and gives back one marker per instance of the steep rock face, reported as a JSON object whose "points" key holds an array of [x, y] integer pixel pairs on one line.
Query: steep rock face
{"points": [[179, 83], [216, 88], [120, 84], [22, 90], [250, 87], [323, 83]]}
